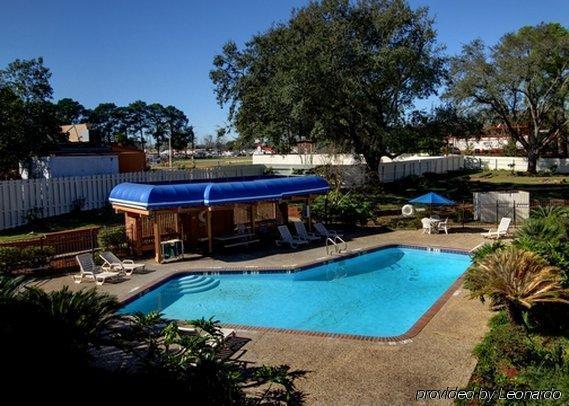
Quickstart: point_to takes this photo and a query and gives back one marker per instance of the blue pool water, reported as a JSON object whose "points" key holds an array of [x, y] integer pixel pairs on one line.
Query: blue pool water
{"points": [[382, 293]]}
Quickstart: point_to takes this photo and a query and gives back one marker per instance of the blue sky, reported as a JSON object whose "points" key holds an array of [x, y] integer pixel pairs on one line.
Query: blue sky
{"points": [[161, 51]]}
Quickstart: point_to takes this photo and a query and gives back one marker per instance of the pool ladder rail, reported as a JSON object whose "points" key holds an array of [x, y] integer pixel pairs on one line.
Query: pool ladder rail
{"points": [[335, 245]]}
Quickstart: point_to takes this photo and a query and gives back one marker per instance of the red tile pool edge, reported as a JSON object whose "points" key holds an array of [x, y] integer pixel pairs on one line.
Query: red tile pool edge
{"points": [[403, 338]]}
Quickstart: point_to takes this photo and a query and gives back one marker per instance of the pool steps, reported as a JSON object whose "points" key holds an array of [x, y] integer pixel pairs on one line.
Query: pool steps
{"points": [[193, 284]]}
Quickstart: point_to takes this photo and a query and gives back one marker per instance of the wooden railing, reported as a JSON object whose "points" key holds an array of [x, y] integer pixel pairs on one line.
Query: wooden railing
{"points": [[66, 245]]}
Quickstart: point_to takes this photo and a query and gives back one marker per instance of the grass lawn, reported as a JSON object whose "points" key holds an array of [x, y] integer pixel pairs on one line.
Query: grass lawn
{"points": [[506, 177], [542, 187], [70, 221], [188, 163]]}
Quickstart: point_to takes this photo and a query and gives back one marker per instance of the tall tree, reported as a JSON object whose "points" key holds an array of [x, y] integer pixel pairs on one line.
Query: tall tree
{"points": [[429, 132], [29, 79], [180, 132], [108, 120], [28, 125], [337, 71], [157, 124], [138, 119], [522, 82], [70, 111]]}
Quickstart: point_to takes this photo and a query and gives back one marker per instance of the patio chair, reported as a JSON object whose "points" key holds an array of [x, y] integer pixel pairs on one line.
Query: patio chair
{"points": [[111, 262], [502, 230], [324, 232], [443, 226], [427, 225], [303, 234], [226, 334], [287, 238], [90, 271]]}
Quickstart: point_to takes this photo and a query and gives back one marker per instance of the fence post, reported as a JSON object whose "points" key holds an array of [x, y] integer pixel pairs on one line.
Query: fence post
{"points": [[497, 210], [92, 235], [514, 207]]}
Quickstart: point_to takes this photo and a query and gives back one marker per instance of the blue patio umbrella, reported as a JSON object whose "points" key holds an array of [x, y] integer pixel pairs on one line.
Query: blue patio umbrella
{"points": [[431, 198]]}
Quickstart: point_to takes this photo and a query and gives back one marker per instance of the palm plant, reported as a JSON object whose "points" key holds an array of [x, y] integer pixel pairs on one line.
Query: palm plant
{"points": [[516, 280], [10, 287], [79, 318], [486, 249], [542, 212], [547, 233]]}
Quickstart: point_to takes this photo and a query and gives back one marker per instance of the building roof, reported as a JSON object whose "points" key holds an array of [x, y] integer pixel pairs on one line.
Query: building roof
{"points": [[77, 132], [213, 193]]}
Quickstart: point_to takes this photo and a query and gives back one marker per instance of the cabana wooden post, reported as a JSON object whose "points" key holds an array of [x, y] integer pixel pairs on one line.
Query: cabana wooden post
{"points": [[197, 212]]}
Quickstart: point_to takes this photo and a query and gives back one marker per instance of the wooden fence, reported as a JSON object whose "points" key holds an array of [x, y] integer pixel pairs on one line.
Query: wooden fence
{"points": [[66, 245], [22, 200]]}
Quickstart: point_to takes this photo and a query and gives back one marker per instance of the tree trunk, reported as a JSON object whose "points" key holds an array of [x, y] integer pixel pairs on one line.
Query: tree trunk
{"points": [[562, 147], [372, 161], [515, 313], [532, 162]]}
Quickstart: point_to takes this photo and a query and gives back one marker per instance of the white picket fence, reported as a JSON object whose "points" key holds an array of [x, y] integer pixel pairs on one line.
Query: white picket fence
{"points": [[20, 199]]}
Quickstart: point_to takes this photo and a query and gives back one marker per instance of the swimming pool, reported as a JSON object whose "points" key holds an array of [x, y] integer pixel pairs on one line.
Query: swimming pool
{"points": [[380, 293]]}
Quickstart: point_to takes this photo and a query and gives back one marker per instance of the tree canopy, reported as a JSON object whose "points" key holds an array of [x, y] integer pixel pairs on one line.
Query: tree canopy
{"points": [[28, 124], [522, 82], [337, 72]]}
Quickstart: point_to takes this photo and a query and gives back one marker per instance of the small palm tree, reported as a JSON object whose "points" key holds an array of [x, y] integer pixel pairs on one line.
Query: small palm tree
{"points": [[516, 280], [81, 318]]}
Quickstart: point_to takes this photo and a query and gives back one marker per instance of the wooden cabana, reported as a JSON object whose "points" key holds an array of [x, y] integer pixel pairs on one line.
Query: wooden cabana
{"points": [[200, 212]]}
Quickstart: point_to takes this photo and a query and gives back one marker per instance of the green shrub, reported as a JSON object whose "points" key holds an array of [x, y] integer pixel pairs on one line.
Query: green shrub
{"points": [[486, 249], [348, 208], [547, 234], [501, 353], [15, 258], [513, 357], [37, 257], [112, 238], [10, 258]]}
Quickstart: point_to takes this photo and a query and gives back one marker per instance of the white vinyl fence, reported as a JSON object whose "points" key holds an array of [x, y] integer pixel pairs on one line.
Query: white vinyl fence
{"points": [[509, 163], [40, 198], [395, 170]]}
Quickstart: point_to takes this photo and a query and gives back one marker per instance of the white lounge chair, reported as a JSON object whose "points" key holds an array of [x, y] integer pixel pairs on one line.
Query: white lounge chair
{"points": [[226, 334], [287, 238], [324, 232], [303, 234], [112, 262], [90, 271], [502, 230], [443, 226], [427, 225]]}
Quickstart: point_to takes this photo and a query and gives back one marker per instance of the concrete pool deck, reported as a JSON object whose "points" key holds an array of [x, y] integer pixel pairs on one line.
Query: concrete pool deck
{"points": [[346, 371]]}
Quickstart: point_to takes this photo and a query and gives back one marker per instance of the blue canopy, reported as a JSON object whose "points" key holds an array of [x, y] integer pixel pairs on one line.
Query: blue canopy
{"points": [[215, 192], [431, 198]]}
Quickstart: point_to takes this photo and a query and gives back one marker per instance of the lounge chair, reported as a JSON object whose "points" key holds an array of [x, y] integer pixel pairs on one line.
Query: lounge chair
{"points": [[226, 334], [427, 225], [287, 238], [502, 230], [443, 226], [90, 271], [112, 262], [324, 232], [303, 234]]}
